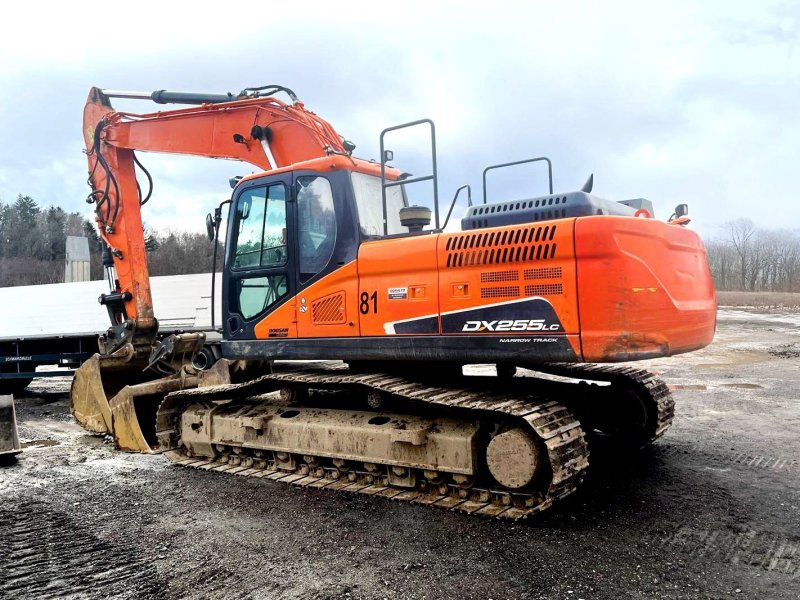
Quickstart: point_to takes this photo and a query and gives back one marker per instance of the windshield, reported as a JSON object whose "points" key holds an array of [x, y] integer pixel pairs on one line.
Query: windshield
{"points": [[367, 189]]}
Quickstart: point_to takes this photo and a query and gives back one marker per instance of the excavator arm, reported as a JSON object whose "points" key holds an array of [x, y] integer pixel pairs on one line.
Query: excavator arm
{"points": [[253, 127], [263, 131]]}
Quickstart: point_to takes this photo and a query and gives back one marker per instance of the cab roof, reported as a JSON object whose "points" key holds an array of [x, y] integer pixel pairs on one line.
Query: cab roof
{"points": [[335, 162]]}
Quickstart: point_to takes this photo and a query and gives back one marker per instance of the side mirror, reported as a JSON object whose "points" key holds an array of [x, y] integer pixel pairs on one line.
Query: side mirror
{"points": [[681, 210], [388, 156], [210, 228]]}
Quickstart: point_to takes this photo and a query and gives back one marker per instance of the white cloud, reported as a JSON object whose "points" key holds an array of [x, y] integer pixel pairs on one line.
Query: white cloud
{"points": [[682, 101]]}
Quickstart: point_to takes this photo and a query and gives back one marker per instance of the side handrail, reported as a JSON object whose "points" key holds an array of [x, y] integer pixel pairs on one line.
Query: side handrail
{"points": [[453, 203], [519, 162], [433, 176]]}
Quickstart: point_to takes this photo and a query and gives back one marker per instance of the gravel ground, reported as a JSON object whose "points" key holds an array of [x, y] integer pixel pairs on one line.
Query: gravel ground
{"points": [[712, 510]]}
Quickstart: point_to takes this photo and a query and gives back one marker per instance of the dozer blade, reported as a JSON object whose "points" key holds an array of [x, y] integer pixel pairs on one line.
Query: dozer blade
{"points": [[9, 441]]}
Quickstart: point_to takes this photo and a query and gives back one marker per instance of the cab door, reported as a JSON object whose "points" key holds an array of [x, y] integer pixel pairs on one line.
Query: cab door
{"points": [[260, 262], [326, 248]]}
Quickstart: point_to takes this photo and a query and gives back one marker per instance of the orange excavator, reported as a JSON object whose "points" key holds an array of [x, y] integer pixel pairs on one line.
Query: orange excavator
{"points": [[352, 322]]}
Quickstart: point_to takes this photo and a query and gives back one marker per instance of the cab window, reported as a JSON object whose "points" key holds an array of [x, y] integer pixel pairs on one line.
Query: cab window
{"points": [[261, 250], [369, 202], [316, 225], [261, 238]]}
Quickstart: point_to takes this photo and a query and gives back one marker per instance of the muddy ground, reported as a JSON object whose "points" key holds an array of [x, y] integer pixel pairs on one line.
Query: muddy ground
{"points": [[712, 510]]}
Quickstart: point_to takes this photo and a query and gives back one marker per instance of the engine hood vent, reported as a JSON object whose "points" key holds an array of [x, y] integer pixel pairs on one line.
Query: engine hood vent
{"points": [[545, 208]]}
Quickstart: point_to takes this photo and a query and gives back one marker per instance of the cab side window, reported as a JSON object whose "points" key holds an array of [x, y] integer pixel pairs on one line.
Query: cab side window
{"points": [[261, 244], [316, 225], [261, 240]]}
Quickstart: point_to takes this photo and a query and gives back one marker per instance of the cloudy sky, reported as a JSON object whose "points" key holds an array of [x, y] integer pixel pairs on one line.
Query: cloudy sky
{"points": [[680, 101]]}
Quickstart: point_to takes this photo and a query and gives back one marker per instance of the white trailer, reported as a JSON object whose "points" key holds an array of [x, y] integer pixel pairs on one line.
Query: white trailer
{"points": [[57, 325]]}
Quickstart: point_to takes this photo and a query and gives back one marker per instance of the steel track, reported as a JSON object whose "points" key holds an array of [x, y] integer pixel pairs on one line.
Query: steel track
{"points": [[652, 390], [550, 421]]}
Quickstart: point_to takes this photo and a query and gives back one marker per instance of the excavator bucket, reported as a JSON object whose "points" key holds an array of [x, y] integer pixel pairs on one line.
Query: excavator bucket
{"points": [[9, 441], [134, 408], [89, 396], [133, 412], [122, 399]]}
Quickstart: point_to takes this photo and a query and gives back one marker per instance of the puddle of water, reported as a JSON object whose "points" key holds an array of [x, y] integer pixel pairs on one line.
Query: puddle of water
{"points": [[40, 444], [744, 386], [687, 386]]}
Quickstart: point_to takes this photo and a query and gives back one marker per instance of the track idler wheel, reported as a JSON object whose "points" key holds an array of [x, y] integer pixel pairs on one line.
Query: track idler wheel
{"points": [[514, 458]]}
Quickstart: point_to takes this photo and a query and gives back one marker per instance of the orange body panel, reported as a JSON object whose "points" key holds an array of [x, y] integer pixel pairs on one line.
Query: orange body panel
{"points": [[280, 323], [644, 289], [486, 266], [398, 279], [615, 288], [331, 305], [326, 308]]}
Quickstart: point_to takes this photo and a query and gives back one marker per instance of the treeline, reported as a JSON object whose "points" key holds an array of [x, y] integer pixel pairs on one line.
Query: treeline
{"points": [[33, 245], [747, 258]]}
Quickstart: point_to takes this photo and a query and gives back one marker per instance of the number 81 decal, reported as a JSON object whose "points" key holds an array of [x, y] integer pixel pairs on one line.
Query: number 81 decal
{"points": [[369, 303]]}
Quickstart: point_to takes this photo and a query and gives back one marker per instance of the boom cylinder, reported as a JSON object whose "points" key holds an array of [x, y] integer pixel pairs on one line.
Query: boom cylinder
{"points": [[165, 97]]}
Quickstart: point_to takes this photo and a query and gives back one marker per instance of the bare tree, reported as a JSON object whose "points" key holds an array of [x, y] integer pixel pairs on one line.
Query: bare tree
{"points": [[747, 258], [740, 234]]}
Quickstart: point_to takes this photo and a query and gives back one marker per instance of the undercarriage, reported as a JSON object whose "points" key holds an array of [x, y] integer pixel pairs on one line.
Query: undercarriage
{"points": [[500, 446]]}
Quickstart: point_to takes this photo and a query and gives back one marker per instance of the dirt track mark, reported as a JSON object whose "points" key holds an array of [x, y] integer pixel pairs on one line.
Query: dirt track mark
{"points": [[747, 548], [742, 458], [46, 554], [786, 351]]}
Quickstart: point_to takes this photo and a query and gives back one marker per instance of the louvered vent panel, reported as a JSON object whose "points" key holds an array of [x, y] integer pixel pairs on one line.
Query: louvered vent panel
{"points": [[328, 310], [502, 291], [499, 276], [545, 273], [498, 247], [544, 289]]}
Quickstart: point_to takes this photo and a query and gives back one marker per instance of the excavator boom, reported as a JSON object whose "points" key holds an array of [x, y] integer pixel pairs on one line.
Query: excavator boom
{"points": [[250, 127], [264, 132]]}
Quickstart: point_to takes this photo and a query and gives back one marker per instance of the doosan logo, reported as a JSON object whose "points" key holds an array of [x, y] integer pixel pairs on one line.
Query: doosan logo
{"points": [[509, 325]]}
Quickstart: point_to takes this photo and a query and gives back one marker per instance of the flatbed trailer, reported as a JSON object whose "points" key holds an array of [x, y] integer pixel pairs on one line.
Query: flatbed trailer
{"points": [[34, 335]]}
